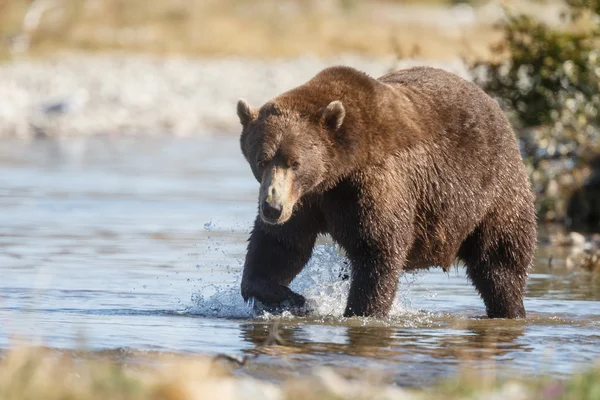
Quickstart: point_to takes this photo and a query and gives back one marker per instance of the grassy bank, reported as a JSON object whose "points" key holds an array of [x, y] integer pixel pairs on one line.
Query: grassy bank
{"points": [[42, 373]]}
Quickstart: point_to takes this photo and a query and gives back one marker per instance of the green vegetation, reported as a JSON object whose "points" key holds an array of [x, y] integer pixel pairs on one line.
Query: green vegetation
{"points": [[52, 375], [548, 79]]}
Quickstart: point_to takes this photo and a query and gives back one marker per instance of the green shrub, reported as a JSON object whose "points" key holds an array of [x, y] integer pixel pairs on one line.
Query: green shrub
{"points": [[548, 80]]}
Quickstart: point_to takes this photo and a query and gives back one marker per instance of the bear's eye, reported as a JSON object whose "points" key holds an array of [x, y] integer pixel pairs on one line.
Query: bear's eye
{"points": [[295, 165], [262, 164]]}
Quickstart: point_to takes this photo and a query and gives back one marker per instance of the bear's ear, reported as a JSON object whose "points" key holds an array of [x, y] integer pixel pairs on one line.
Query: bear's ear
{"points": [[333, 115], [245, 113]]}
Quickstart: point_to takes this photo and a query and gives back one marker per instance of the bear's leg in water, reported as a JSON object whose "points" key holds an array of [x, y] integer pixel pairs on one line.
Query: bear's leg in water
{"points": [[498, 256], [276, 254], [376, 268], [373, 287], [376, 240]]}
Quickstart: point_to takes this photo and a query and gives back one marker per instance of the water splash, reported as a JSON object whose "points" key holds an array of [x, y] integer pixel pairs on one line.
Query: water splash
{"points": [[322, 282], [224, 302]]}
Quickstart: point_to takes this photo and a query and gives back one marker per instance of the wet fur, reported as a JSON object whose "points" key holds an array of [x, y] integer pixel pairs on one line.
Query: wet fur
{"points": [[424, 170]]}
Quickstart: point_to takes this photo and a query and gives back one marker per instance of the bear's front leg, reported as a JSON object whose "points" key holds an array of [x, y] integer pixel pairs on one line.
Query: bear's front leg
{"points": [[376, 233], [374, 283], [276, 254]]}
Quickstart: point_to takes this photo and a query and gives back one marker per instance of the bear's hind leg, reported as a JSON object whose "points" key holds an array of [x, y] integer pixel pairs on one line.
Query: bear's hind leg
{"points": [[498, 255]]}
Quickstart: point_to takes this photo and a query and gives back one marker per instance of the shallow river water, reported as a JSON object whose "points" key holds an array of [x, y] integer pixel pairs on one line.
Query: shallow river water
{"points": [[137, 245]]}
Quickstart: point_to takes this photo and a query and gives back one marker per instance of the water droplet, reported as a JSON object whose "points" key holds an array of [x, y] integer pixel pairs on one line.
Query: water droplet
{"points": [[145, 286], [208, 226]]}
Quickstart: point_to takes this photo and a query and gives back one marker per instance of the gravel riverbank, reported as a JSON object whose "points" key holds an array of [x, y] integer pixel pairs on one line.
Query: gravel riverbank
{"points": [[113, 94]]}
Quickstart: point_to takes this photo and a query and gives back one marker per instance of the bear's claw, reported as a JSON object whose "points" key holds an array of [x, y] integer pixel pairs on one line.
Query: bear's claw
{"points": [[276, 299]]}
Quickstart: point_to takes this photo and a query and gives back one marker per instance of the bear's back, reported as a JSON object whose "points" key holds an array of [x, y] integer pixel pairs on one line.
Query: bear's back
{"points": [[449, 108], [446, 98], [427, 81]]}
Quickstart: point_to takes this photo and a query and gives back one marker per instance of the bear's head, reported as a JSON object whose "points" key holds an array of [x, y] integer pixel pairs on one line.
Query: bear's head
{"points": [[288, 152]]}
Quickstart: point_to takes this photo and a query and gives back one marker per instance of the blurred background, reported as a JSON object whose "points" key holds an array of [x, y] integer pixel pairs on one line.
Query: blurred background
{"points": [[438, 29], [114, 67], [125, 202]]}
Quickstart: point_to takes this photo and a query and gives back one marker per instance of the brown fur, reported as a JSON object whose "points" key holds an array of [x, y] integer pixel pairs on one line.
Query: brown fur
{"points": [[412, 170]]}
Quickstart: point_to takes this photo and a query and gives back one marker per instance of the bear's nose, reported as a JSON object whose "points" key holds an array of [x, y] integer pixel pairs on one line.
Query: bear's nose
{"points": [[272, 210]]}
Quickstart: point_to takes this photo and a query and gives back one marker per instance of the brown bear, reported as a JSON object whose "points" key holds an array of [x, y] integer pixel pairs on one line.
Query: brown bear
{"points": [[415, 169]]}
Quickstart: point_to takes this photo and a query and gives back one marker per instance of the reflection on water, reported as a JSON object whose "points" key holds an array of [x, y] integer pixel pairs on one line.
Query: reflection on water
{"points": [[138, 244]]}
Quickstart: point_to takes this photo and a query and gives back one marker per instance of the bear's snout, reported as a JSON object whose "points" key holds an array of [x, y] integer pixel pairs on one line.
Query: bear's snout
{"points": [[276, 198], [271, 210]]}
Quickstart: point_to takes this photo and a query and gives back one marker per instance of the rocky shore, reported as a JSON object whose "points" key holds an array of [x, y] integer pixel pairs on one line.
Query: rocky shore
{"points": [[114, 94]]}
